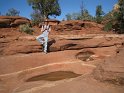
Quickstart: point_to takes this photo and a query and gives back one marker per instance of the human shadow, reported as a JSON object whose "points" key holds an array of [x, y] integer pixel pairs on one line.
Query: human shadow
{"points": [[50, 43]]}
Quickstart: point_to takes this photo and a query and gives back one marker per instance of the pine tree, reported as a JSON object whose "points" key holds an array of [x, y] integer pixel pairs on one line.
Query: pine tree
{"points": [[99, 14], [84, 13], [118, 17]]}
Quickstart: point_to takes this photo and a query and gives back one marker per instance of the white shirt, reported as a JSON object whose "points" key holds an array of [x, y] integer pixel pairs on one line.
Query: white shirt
{"points": [[45, 29]]}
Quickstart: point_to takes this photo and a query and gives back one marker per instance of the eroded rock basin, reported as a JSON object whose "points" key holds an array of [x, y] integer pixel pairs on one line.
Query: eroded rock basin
{"points": [[50, 72], [33, 74]]}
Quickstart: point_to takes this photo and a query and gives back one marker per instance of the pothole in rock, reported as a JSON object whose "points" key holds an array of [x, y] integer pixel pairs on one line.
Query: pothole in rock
{"points": [[54, 76], [85, 55]]}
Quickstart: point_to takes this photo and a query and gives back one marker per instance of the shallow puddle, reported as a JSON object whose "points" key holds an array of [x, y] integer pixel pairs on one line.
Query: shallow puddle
{"points": [[54, 76], [85, 55]]}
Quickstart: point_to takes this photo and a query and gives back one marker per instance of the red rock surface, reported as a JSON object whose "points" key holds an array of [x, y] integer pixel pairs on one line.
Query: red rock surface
{"points": [[96, 59], [16, 69], [111, 70], [79, 27]]}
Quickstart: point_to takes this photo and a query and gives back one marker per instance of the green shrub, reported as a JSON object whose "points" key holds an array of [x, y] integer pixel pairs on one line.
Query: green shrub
{"points": [[26, 28], [108, 26]]}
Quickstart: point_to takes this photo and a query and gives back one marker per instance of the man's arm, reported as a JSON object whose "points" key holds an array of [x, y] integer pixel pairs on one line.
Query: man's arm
{"points": [[49, 28], [42, 29]]}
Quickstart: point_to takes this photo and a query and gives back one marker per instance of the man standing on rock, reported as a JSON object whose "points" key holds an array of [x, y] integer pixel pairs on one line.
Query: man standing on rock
{"points": [[43, 38]]}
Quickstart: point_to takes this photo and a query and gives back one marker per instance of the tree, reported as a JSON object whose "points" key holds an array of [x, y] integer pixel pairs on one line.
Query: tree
{"points": [[120, 15], [114, 20], [117, 18], [68, 16], [99, 14], [84, 13], [73, 16], [36, 17], [107, 20], [46, 8], [82, 8], [12, 12], [79, 16]]}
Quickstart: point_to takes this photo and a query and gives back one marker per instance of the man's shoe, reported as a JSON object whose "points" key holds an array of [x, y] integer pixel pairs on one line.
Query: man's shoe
{"points": [[45, 52]]}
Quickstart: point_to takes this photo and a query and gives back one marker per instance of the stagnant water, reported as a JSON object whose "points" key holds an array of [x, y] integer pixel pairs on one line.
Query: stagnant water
{"points": [[54, 76]]}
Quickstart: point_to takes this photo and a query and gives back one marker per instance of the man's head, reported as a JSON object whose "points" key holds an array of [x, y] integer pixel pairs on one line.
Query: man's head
{"points": [[46, 22]]}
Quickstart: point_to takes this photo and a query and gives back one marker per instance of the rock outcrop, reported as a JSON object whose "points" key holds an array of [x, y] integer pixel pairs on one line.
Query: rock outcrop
{"points": [[57, 43], [76, 25], [13, 21]]}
